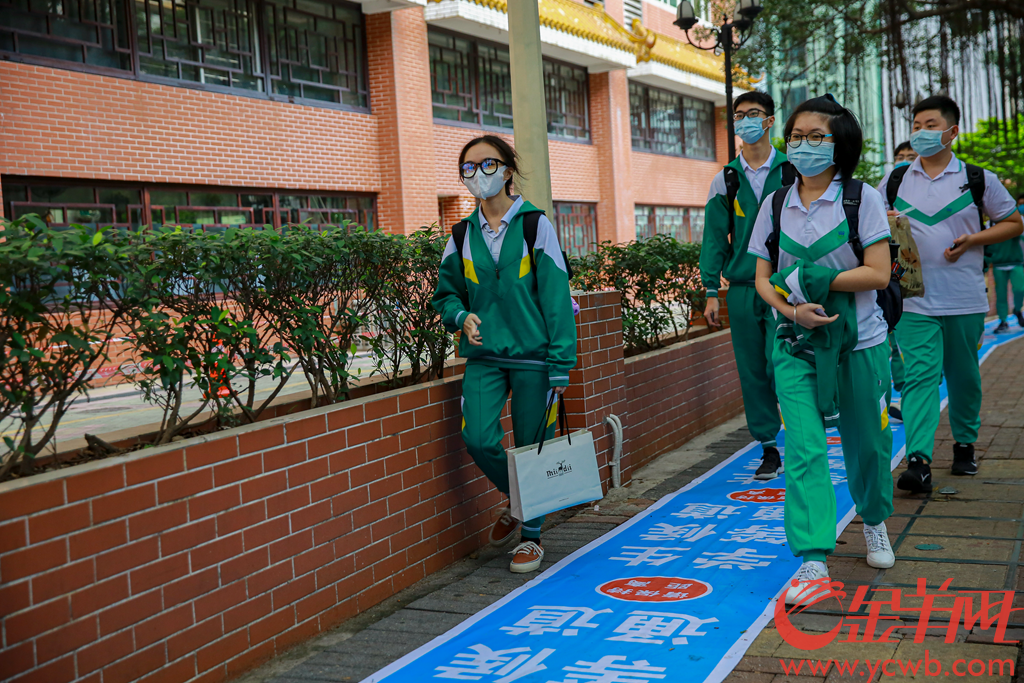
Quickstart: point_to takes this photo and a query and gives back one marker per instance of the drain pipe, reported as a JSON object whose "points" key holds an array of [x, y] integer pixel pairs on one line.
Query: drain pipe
{"points": [[615, 423]]}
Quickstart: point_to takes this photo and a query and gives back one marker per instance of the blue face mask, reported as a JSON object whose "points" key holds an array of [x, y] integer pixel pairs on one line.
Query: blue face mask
{"points": [[901, 163], [750, 130], [811, 161], [928, 142], [1020, 209]]}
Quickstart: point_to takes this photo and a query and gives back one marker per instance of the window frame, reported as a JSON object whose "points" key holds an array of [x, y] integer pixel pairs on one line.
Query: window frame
{"points": [[586, 249], [647, 134], [146, 189], [650, 212], [586, 96], [259, 6], [475, 76]]}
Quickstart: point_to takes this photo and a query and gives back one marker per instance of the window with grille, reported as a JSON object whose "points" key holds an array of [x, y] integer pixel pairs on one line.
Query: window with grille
{"points": [[666, 123], [632, 9], [471, 83], [299, 50], [681, 223], [61, 203], [576, 224]]}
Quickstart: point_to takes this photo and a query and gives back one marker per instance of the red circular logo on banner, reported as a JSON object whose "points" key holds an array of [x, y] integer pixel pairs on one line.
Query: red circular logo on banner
{"points": [[655, 589], [760, 496]]}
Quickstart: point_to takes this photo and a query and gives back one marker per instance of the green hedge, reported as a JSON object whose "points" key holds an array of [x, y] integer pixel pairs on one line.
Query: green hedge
{"points": [[659, 278], [204, 308]]}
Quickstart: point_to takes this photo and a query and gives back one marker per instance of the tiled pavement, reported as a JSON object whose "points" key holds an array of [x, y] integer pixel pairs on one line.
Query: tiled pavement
{"points": [[970, 530]]}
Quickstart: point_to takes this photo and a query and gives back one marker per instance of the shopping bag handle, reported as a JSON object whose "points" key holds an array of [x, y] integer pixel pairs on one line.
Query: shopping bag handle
{"points": [[563, 420]]}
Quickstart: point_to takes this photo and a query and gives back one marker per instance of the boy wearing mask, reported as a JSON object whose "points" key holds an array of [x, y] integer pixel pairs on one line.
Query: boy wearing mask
{"points": [[733, 202], [943, 198]]}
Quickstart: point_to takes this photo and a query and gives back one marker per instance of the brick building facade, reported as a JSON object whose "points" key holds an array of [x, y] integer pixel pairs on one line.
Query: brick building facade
{"points": [[234, 112]]}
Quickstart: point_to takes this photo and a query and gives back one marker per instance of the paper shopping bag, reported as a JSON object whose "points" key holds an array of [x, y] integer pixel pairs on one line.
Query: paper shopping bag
{"points": [[554, 474]]}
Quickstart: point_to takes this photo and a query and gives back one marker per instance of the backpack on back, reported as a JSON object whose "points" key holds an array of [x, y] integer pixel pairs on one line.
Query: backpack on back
{"points": [[732, 189], [890, 299], [975, 183], [531, 219]]}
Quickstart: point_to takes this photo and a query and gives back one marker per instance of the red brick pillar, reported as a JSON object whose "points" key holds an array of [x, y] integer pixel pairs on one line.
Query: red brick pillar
{"points": [[597, 386], [609, 101], [454, 209], [722, 137], [400, 99]]}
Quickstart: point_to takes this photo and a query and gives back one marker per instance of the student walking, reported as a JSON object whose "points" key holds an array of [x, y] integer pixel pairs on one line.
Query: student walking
{"points": [[505, 285], [945, 200], [823, 251], [1007, 261], [735, 196]]}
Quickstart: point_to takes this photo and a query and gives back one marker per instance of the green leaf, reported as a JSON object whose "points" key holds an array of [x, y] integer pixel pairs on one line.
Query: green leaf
{"points": [[97, 238]]}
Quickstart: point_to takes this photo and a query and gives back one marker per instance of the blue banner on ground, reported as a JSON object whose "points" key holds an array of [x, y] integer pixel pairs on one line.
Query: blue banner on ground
{"points": [[681, 589]]}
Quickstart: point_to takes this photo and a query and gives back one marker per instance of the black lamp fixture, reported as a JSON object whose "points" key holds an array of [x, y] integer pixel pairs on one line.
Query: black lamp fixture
{"points": [[731, 34]]}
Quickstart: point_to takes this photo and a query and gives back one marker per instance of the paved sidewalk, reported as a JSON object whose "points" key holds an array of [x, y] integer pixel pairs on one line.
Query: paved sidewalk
{"points": [[973, 535]]}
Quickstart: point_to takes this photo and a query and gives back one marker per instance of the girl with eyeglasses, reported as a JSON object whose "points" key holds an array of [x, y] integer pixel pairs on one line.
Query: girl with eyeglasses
{"points": [[831, 339], [513, 307]]}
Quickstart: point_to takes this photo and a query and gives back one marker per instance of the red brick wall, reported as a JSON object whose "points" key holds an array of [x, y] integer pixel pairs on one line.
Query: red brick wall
{"points": [[76, 125], [678, 392], [609, 115], [401, 100], [198, 561]]}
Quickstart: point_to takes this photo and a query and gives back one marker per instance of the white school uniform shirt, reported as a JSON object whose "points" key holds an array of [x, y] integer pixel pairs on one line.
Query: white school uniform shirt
{"points": [[806, 225], [494, 238], [757, 177], [940, 210]]}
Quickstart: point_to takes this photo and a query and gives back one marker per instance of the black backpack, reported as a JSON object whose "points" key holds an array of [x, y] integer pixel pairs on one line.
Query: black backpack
{"points": [[530, 221], [890, 299], [732, 188], [975, 183]]}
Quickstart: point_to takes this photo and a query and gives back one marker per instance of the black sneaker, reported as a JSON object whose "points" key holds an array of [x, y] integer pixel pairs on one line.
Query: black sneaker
{"points": [[963, 459], [917, 478], [1020, 317], [1002, 328], [771, 464], [895, 414]]}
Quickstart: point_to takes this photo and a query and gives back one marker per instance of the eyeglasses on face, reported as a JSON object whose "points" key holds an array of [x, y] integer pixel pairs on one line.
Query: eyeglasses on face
{"points": [[814, 139], [749, 114], [488, 166]]}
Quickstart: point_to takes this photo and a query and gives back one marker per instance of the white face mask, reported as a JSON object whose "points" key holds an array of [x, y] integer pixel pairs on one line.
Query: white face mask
{"points": [[483, 186]]}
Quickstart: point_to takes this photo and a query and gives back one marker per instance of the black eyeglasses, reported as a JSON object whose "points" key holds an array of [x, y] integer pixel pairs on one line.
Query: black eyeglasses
{"points": [[749, 114], [488, 166], [814, 139]]}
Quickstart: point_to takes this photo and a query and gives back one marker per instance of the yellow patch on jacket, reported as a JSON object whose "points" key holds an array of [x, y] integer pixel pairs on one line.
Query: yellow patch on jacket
{"points": [[470, 270]]}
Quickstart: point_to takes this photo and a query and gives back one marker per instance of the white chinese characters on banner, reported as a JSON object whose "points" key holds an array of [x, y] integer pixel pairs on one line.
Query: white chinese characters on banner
{"points": [[758, 533], [542, 620], [707, 511], [637, 555], [501, 666], [744, 558], [654, 627], [769, 513], [613, 669], [686, 532]]}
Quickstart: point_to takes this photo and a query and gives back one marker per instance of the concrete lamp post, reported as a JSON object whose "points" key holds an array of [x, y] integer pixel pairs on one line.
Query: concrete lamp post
{"points": [[730, 35], [529, 120]]}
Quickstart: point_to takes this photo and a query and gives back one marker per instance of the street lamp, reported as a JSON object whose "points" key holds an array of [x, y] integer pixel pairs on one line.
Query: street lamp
{"points": [[726, 36]]}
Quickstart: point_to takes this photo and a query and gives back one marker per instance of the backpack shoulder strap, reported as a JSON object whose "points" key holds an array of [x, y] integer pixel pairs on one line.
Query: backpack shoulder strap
{"points": [[772, 244], [530, 222], [852, 189], [976, 184], [892, 188], [459, 231], [732, 189], [788, 173]]}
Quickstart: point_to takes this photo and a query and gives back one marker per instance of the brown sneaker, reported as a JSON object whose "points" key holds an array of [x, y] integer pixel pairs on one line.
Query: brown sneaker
{"points": [[504, 529], [526, 557]]}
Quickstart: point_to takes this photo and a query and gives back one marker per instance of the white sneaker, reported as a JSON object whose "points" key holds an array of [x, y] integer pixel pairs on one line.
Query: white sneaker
{"points": [[880, 555], [804, 589]]}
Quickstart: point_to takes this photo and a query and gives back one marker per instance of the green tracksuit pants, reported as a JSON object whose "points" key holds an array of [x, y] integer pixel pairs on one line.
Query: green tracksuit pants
{"points": [[896, 363], [931, 346], [864, 391], [752, 340], [1015, 278], [485, 390]]}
